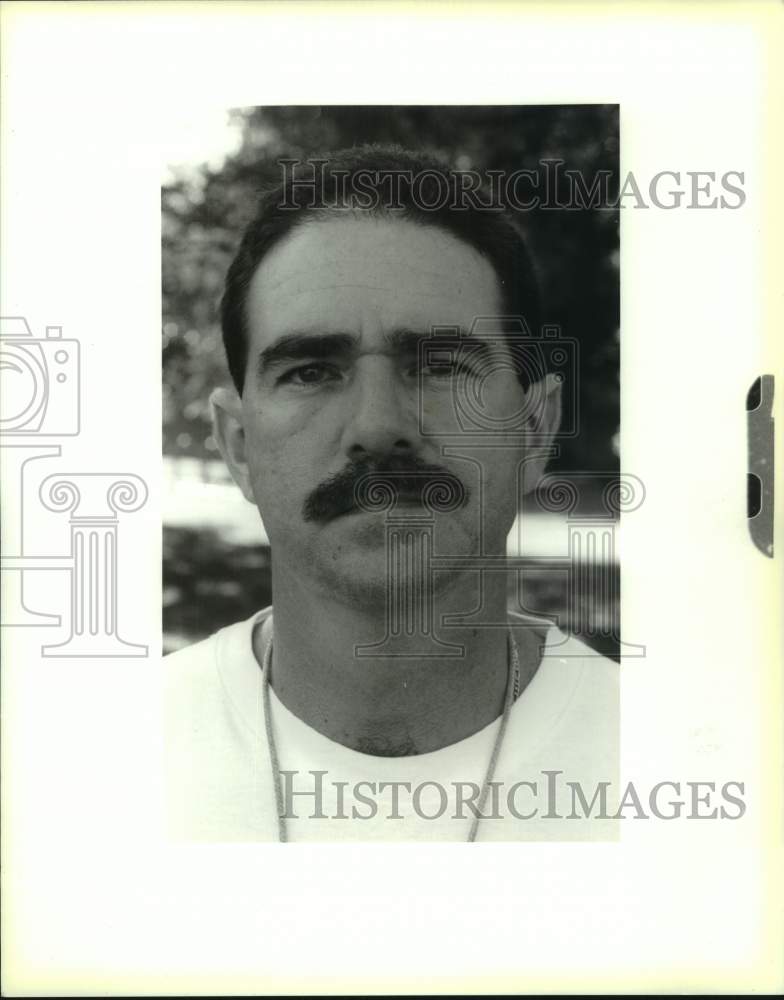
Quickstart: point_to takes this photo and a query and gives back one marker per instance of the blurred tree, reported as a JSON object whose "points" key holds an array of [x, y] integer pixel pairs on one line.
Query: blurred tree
{"points": [[576, 251]]}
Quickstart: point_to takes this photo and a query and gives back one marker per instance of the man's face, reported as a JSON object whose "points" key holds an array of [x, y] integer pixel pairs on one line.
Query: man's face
{"points": [[333, 384]]}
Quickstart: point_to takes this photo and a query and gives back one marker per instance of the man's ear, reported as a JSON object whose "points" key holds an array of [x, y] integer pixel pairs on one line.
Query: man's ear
{"points": [[542, 425], [228, 430]]}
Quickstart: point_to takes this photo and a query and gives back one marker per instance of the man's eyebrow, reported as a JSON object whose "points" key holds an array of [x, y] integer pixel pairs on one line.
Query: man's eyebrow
{"points": [[404, 339], [302, 346], [299, 346]]}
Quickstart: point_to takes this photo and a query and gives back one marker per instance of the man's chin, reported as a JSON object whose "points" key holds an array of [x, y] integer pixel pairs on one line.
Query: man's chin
{"points": [[359, 565], [363, 558]]}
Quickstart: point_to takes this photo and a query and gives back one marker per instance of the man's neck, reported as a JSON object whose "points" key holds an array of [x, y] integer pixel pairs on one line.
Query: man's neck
{"points": [[399, 700]]}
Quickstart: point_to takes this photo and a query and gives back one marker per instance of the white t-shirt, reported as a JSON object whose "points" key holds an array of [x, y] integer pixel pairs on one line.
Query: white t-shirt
{"points": [[558, 759]]}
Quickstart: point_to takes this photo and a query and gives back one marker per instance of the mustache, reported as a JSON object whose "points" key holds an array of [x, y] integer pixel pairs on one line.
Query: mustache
{"points": [[368, 485]]}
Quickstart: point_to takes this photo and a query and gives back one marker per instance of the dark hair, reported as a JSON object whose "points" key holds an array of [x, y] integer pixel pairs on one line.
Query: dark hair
{"points": [[380, 180]]}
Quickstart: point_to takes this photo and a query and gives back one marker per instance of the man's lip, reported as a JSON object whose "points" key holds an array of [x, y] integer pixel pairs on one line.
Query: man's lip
{"points": [[402, 500]]}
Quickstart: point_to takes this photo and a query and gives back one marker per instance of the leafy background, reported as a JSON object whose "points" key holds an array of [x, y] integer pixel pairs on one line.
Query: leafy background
{"points": [[211, 578]]}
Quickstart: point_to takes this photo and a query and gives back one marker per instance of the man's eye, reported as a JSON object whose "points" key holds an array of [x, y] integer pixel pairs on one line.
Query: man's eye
{"points": [[311, 374], [445, 369]]}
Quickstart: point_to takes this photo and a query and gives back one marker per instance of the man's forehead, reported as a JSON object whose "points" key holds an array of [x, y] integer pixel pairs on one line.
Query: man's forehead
{"points": [[347, 274]]}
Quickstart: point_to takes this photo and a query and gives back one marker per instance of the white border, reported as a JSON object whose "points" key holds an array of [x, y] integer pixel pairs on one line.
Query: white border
{"points": [[95, 901]]}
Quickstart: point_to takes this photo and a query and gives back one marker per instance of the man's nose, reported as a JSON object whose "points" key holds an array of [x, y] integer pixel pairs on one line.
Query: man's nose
{"points": [[381, 418]]}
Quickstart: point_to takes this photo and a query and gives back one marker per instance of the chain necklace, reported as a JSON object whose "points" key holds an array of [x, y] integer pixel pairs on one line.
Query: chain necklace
{"points": [[512, 691]]}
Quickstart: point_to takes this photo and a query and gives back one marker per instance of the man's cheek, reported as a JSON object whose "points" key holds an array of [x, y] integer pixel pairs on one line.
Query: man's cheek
{"points": [[279, 484]]}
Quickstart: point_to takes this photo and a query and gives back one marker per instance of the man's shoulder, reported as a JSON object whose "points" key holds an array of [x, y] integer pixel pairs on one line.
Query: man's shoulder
{"points": [[194, 654], [207, 683], [191, 675], [570, 646], [573, 709], [204, 651], [594, 677], [194, 671], [589, 684], [578, 682], [195, 665], [552, 643]]}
